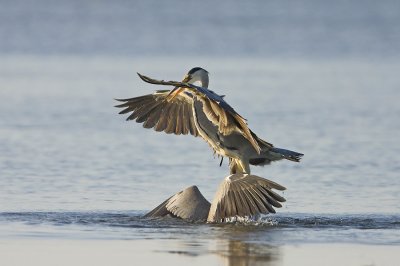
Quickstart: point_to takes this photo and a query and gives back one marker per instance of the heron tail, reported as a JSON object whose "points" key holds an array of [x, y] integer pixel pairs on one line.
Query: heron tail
{"points": [[286, 154]]}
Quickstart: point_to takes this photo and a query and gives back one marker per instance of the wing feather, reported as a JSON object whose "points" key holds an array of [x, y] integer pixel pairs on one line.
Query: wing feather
{"points": [[144, 113], [211, 115], [171, 120], [179, 119], [154, 117], [163, 120], [154, 111], [242, 195], [192, 124], [185, 119]]}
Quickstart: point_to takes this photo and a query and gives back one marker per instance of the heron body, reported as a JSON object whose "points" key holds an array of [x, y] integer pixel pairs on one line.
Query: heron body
{"points": [[201, 112], [196, 110]]}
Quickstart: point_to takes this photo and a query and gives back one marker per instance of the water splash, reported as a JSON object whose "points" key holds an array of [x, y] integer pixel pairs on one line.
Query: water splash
{"points": [[134, 220]]}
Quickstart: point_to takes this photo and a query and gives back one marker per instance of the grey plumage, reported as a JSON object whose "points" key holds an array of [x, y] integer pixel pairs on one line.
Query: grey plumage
{"points": [[188, 204]]}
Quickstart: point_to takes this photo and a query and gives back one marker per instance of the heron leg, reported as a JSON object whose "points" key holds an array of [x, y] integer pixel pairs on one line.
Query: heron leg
{"points": [[238, 166]]}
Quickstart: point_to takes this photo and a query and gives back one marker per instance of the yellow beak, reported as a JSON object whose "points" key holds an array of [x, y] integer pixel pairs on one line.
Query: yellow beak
{"points": [[177, 90], [173, 93]]}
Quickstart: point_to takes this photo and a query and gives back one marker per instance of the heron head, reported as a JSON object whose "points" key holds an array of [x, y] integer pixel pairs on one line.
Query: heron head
{"points": [[197, 74]]}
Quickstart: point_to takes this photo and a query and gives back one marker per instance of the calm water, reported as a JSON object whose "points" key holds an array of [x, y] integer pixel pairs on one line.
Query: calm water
{"points": [[72, 168]]}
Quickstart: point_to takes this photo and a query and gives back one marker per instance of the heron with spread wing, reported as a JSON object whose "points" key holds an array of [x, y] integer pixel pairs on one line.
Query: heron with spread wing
{"points": [[201, 112], [196, 110]]}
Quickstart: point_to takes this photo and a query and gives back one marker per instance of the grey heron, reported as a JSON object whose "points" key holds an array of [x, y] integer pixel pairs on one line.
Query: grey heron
{"points": [[196, 110]]}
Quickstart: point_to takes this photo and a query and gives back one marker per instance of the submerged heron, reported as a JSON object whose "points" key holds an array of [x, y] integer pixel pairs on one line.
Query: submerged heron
{"points": [[196, 110]]}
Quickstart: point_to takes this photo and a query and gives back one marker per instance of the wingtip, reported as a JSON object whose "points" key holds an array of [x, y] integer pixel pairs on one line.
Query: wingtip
{"points": [[142, 77], [278, 186], [120, 100]]}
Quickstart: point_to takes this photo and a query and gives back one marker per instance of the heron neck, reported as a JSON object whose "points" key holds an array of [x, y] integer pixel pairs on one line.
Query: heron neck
{"points": [[203, 81]]}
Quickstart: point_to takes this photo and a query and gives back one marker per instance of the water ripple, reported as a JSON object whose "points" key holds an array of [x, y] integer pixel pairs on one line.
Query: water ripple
{"points": [[135, 220]]}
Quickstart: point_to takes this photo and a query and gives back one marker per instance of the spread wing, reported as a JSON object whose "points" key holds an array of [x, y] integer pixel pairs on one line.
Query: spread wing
{"points": [[215, 107], [244, 195], [154, 111]]}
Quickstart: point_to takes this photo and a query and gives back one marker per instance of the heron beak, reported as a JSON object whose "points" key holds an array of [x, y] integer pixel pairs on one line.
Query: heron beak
{"points": [[186, 78], [173, 93], [178, 90]]}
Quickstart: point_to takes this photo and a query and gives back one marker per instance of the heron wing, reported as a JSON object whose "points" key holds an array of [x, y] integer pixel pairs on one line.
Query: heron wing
{"points": [[215, 107], [154, 111], [242, 195], [187, 204]]}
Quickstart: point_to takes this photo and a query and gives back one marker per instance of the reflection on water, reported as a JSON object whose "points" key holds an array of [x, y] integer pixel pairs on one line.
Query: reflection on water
{"points": [[142, 252], [231, 252], [239, 253]]}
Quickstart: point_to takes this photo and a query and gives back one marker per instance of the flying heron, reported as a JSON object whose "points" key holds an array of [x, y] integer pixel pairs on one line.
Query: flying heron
{"points": [[196, 110]]}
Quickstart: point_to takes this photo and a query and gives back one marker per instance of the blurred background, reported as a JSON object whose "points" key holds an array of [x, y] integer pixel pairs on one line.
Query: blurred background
{"points": [[278, 29], [318, 77]]}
